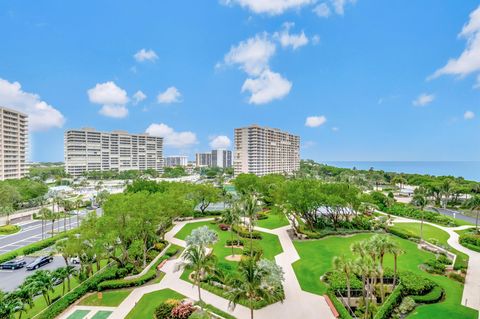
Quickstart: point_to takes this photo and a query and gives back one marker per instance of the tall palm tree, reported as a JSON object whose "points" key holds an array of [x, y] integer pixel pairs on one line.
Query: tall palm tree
{"points": [[197, 258], [250, 209], [420, 200], [365, 267], [231, 216], [61, 274], [474, 204], [383, 245], [396, 251], [346, 266], [250, 286], [44, 213], [70, 271], [8, 305], [42, 281]]}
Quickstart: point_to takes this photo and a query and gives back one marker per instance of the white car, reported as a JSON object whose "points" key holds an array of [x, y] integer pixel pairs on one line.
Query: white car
{"points": [[75, 260]]}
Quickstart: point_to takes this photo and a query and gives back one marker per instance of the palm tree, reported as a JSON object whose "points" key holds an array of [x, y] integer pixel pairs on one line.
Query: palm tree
{"points": [[250, 210], [60, 274], [474, 204], [41, 281], [446, 189], [365, 267], [44, 212], [69, 272], [383, 245], [197, 258], [25, 294], [396, 251], [231, 217], [250, 285], [420, 201], [346, 266], [9, 303]]}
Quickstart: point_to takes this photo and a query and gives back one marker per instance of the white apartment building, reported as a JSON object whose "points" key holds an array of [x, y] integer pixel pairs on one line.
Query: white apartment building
{"points": [[203, 159], [176, 160], [263, 150], [221, 158], [13, 144], [89, 150]]}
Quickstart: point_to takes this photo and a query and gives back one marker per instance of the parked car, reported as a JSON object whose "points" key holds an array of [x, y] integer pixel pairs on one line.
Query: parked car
{"points": [[75, 260], [39, 262], [14, 264]]}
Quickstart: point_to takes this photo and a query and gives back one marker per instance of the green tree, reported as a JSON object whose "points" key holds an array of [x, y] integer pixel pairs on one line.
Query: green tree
{"points": [[231, 216], [8, 197], [250, 210], [346, 266], [474, 204], [200, 261], [204, 195], [420, 200]]}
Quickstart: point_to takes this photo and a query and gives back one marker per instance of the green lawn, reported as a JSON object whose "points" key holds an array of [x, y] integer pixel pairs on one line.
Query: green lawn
{"points": [[269, 243], [9, 229], [434, 235], [274, 220], [316, 259], [102, 314], [78, 314], [145, 307], [110, 298]]}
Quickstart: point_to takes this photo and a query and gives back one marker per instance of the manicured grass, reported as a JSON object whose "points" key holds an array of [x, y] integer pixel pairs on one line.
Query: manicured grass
{"points": [[145, 307], [274, 220], [102, 314], [111, 298], [434, 235], [317, 255], [78, 314], [9, 229], [269, 243]]}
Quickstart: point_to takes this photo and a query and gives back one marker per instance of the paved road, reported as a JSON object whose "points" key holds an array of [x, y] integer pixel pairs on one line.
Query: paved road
{"points": [[453, 213], [32, 232], [11, 279]]}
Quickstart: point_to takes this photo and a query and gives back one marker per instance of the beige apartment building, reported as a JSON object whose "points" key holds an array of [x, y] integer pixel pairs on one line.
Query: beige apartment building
{"points": [[263, 150], [13, 144], [89, 150]]}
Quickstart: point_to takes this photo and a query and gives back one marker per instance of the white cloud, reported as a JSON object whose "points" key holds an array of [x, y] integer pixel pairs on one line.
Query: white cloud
{"points": [[315, 121], [112, 98], [339, 5], [219, 142], [145, 55], [115, 111], [335, 129], [469, 115], [293, 40], [423, 99], [267, 87], [272, 7], [252, 55], [41, 115], [138, 97], [322, 10], [315, 39], [171, 137], [469, 61], [170, 95]]}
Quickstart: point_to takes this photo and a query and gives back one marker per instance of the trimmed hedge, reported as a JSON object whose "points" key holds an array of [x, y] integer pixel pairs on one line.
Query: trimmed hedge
{"points": [[9, 229], [235, 242], [414, 284], [342, 311], [471, 241], [39, 245], [78, 292], [324, 233], [243, 232], [389, 305], [435, 295]]}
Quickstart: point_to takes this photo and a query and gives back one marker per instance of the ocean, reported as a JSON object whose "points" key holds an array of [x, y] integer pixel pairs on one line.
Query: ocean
{"points": [[469, 170]]}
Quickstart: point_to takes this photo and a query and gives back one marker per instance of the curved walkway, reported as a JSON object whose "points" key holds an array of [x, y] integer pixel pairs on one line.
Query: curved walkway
{"points": [[298, 304], [471, 290]]}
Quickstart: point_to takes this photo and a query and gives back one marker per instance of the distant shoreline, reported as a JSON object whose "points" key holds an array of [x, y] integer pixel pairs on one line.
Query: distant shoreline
{"points": [[469, 170]]}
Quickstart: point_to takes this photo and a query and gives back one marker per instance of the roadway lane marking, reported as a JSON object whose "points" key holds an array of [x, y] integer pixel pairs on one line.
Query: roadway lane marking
{"points": [[6, 271]]}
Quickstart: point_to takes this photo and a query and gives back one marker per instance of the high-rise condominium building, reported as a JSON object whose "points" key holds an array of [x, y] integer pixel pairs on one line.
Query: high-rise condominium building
{"points": [[172, 161], [13, 143], [221, 158], [263, 150], [89, 150], [203, 159]]}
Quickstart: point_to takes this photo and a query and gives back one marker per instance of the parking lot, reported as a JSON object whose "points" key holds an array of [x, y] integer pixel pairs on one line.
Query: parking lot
{"points": [[11, 279]]}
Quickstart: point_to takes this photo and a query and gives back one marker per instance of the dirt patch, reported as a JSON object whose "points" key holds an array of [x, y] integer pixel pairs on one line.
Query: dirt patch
{"points": [[234, 258]]}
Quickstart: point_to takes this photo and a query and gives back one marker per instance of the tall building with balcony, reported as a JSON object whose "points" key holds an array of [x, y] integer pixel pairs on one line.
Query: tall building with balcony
{"points": [[263, 150], [203, 159], [221, 158], [176, 160], [13, 144], [89, 150]]}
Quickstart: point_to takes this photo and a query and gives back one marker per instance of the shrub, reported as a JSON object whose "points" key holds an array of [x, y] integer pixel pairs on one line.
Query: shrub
{"points": [[457, 277], [432, 297], [164, 310], [199, 314], [159, 246], [224, 227], [243, 232], [414, 284], [342, 311], [405, 210], [471, 241], [261, 216], [390, 303], [256, 251], [337, 281], [435, 267], [407, 305], [444, 260], [235, 242], [9, 229], [182, 311]]}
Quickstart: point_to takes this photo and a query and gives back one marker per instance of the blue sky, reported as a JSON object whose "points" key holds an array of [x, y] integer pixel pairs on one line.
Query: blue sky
{"points": [[357, 80]]}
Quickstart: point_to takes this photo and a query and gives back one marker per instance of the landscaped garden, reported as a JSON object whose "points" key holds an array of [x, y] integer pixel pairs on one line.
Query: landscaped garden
{"points": [[317, 260], [145, 307], [272, 219]]}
